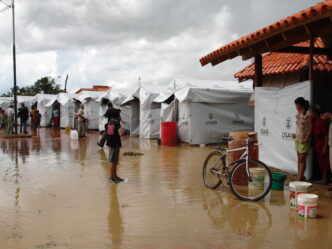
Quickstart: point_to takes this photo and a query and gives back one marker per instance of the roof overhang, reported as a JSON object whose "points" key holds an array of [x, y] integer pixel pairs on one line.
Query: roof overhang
{"points": [[315, 21]]}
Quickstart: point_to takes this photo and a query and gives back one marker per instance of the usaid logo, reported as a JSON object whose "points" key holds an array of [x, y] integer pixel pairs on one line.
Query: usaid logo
{"points": [[288, 123], [238, 120], [184, 119], [264, 121], [264, 130], [286, 135], [211, 120]]}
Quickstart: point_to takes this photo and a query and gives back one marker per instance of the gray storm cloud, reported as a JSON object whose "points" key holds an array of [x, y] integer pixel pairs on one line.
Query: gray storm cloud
{"points": [[117, 41]]}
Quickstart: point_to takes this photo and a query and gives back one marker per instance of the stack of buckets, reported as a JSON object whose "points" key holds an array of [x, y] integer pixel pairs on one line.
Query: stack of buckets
{"points": [[302, 200]]}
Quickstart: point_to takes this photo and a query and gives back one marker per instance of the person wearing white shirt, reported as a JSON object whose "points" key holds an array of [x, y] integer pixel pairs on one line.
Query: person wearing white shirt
{"points": [[10, 115]]}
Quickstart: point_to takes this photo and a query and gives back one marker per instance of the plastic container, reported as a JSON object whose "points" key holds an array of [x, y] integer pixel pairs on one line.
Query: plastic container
{"points": [[67, 128], [239, 140], [258, 176], [307, 205], [168, 133], [278, 180], [73, 135], [297, 188]]}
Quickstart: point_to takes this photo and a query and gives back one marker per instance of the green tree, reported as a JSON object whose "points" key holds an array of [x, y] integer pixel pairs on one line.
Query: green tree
{"points": [[45, 85]]}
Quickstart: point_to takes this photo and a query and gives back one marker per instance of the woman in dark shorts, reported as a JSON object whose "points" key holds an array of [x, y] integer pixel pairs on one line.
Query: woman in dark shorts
{"points": [[114, 143]]}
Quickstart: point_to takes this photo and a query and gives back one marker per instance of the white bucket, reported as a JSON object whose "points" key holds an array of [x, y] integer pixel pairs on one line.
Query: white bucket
{"points": [[297, 188], [73, 135], [258, 176], [307, 205]]}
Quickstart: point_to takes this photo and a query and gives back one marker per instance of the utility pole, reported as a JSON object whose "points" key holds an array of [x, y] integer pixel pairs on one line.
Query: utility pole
{"points": [[14, 70], [66, 83]]}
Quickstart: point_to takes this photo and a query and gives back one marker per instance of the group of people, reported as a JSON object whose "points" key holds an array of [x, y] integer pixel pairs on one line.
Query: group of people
{"points": [[313, 129], [7, 119]]}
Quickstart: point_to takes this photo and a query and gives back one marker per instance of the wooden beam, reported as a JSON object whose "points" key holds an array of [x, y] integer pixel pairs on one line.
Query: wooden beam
{"points": [[258, 81], [307, 29], [311, 68], [284, 36], [303, 50], [266, 44]]}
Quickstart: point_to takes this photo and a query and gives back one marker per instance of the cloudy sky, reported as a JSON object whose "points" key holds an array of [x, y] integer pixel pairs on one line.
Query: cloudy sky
{"points": [[114, 42]]}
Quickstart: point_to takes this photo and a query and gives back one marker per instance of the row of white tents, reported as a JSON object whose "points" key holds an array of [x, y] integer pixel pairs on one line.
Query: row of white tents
{"points": [[204, 110]]}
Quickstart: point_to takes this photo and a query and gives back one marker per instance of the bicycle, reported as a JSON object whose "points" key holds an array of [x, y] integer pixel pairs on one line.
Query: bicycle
{"points": [[248, 179]]}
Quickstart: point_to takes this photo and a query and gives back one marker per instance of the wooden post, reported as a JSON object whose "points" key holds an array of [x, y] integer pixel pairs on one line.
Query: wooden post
{"points": [[258, 71], [311, 68]]}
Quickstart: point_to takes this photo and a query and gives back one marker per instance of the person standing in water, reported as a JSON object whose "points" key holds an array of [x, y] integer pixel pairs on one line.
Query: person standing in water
{"points": [[302, 135], [114, 143]]}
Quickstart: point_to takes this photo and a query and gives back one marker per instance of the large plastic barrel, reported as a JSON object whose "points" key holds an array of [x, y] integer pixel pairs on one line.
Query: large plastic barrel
{"points": [[168, 134], [240, 141]]}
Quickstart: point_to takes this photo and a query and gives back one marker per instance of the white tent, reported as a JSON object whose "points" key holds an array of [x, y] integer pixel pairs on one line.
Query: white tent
{"points": [[145, 114], [90, 100], [207, 110], [275, 122], [5, 102], [46, 112], [116, 97], [66, 102]]}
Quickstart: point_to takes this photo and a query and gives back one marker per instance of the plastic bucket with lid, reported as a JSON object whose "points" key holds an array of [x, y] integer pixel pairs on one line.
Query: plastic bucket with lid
{"points": [[297, 188], [307, 205], [278, 180], [258, 176]]}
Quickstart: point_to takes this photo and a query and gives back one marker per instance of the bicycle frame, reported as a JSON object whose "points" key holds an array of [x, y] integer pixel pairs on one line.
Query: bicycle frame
{"points": [[244, 155]]}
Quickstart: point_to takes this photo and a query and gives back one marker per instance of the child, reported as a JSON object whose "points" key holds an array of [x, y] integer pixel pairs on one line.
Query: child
{"points": [[114, 142]]}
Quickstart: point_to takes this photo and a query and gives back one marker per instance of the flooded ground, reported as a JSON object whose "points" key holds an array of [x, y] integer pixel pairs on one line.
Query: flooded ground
{"points": [[55, 194]]}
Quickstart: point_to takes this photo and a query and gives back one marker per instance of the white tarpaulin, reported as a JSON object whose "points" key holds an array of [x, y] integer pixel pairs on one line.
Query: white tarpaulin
{"points": [[46, 112], [145, 115], [90, 100], [207, 110], [5, 102], [275, 122], [205, 123], [116, 96], [66, 102], [168, 112]]}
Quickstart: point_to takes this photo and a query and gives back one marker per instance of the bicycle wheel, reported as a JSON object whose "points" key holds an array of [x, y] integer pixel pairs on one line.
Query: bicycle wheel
{"points": [[212, 168], [253, 187]]}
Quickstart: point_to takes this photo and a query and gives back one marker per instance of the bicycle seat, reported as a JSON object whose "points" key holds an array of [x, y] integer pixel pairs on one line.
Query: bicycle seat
{"points": [[227, 138]]}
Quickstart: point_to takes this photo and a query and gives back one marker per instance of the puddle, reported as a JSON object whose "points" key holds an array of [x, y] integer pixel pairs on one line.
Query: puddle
{"points": [[55, 194]]}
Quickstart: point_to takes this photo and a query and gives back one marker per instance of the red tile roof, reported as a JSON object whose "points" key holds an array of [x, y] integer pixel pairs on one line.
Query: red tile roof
{"points": [[283, 63], [316, 12], [95, 88]]}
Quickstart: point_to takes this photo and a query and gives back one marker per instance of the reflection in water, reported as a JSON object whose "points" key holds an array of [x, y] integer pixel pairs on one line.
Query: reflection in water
{"points": [[36, 144], [82, 148], [114, 218], [24, 150], [250, 217], [56, 141], [163, 204], [245, 218]]}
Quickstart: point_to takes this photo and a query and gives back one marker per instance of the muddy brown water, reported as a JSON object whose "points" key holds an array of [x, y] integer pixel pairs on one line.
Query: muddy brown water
{"points": [[54, 193]]}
